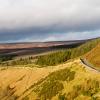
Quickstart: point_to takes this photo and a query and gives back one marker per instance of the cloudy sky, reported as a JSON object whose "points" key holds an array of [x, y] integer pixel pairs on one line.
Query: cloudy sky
{"points": [[48, 20]]}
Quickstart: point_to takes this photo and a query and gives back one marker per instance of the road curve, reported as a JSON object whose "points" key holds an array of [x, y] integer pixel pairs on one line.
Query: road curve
{"points": [[87, 65]]}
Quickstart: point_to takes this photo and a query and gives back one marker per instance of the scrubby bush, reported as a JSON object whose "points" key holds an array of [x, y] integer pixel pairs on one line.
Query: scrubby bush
{"points": [[88, 88], [20, 61], [6, 57], [26, 98], [62, 97], [50, 89], [62, 75], [52, 85], [54, 58]]}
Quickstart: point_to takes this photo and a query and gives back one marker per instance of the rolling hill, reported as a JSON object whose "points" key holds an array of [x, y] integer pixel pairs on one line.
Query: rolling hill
{"points": [[70, 81], [57, 80], [51, 58], [62, 56], [94, 56]]}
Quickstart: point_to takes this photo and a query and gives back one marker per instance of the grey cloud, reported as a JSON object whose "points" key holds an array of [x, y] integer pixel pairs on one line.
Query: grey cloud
{"points": [[29, 13], [40, 19]]}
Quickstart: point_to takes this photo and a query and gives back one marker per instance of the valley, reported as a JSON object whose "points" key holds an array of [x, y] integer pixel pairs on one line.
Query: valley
{"points": [[56, 75], [35, 48]]}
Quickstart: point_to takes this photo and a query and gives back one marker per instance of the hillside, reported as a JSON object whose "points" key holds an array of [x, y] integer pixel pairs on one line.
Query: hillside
{"points": [[94, 56], [51, 58], [70, 81], [65, 55], [60, 76]]}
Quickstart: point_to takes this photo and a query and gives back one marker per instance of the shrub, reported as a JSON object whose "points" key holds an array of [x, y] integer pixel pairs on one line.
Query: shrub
{"points": [[62, 75], [6, 57], [52, 85], [50, 89], [88, 88], [62, 97]]}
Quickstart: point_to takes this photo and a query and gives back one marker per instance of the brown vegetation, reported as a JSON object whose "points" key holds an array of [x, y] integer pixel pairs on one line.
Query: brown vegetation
{"points": [[94, 56]]}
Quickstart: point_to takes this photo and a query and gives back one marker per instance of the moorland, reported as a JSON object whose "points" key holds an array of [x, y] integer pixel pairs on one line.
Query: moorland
{"points": [[54, 71]]}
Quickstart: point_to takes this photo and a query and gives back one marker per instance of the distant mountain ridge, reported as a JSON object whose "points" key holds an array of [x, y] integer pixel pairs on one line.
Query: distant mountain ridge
{"points": [[39, 44], [36, 47], [33, 48]]}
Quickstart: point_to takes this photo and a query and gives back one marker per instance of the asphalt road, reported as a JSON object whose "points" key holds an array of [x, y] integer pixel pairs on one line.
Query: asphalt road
{"points": [[86, 64]]}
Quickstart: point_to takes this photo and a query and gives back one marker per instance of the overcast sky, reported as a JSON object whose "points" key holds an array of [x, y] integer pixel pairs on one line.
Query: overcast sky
{"points": [[48, 20]]}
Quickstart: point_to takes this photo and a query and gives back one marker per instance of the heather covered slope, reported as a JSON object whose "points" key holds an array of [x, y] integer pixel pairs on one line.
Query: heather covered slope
{"points": [[94, 56]]}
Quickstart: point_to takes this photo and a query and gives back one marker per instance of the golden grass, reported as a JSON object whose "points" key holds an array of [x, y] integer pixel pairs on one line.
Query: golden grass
{"points": [[20, 79], [94, 56]]}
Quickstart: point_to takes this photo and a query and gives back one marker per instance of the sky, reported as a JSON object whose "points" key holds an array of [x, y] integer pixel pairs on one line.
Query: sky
{"points": [[48, 20]]}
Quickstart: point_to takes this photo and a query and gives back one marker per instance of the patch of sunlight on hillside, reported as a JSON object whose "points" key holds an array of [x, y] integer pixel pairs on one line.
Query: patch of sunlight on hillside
{"points": [[84, 86], [94, 56]]}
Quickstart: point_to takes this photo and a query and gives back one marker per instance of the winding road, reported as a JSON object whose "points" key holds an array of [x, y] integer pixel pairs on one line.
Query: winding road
{"points": [[88, 65]]}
